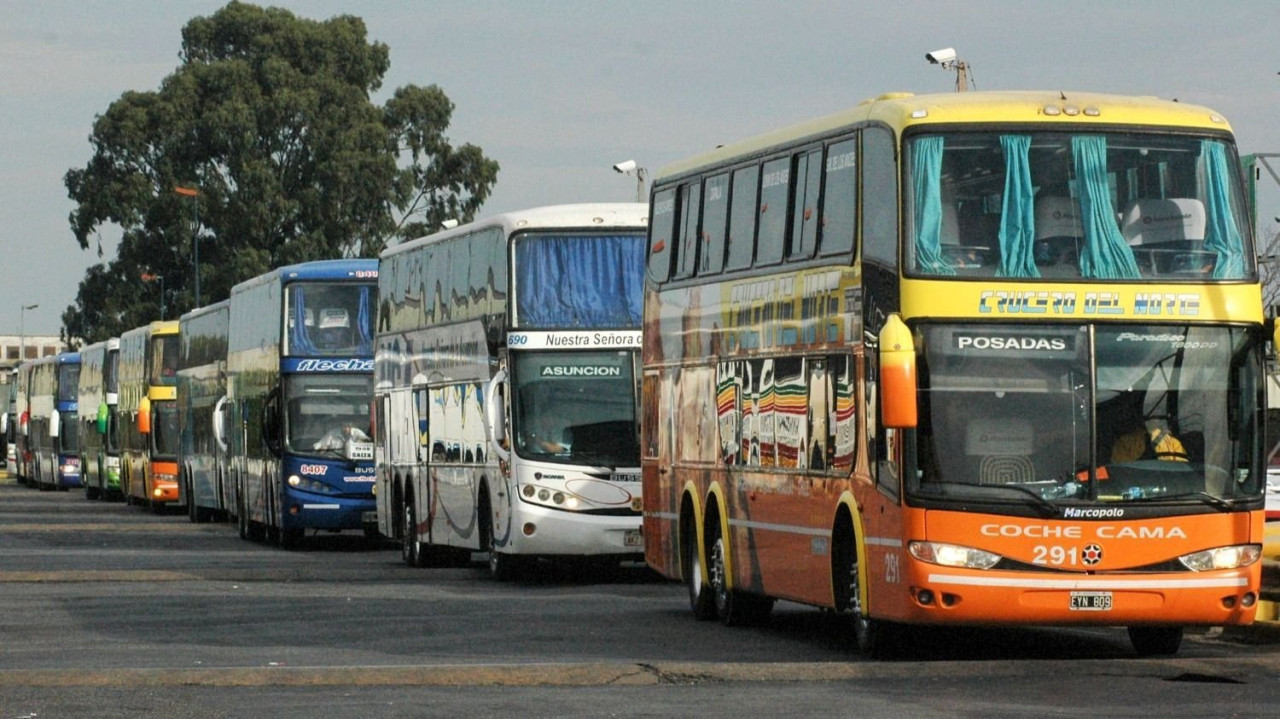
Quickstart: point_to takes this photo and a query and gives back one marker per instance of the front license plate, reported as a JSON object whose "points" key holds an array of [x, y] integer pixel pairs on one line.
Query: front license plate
{"points": [[369, 517], [633, 538], [1091, 601]]}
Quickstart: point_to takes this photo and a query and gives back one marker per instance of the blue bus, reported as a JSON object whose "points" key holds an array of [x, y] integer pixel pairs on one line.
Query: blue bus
{"points": [[54, 404], [202, 399], [299, 386]]}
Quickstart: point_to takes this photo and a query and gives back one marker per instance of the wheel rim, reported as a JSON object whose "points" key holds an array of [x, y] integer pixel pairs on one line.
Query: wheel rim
{"points": [[719, 582], [409, 543], [695, 572]]}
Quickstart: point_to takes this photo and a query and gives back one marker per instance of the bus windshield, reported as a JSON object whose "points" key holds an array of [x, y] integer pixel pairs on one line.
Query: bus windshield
{"points": [[68, 382], [1012, 410], [329, 319], [164, 360], [68, 433], [576, 407], [1056, 205], [324, 411], [164, 429]]}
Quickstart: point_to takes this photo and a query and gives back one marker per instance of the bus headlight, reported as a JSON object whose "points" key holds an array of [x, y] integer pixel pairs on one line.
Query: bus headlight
{"points": [[1233, 557], [953, 555], [309, 485]]}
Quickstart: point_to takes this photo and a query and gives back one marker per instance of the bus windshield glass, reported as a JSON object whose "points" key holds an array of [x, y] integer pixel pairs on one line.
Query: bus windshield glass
{"points": [[164, 429], [68, 382], [165, 350], [323, 412], [1053, 205], [68, 436], [576, 407], [329, 319], [1165, 414]]}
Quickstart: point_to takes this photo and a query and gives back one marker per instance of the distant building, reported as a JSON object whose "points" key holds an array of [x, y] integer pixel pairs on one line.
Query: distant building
{"points": [[35, 346]]}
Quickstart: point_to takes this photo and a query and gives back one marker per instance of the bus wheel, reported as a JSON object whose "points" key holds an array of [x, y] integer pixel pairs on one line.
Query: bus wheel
{"points": [[701, 599], [1156, 641], [90, 491], [410, 545], [870, 634], [735, 608], [242, 520], [502, 567]]}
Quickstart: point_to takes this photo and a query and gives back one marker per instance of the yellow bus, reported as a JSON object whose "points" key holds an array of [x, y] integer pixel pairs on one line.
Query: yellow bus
{"points": [[968, 359], [147, 414]]}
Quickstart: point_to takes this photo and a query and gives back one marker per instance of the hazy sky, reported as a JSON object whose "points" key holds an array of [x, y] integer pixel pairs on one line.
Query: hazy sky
{"points": [[557, 92]]}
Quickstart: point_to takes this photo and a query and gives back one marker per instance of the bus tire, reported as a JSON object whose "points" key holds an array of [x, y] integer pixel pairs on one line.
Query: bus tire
{"points": [[502, 567], [410, 546], [702, 600], [734, 607], [1155, 641], [869, 634]]}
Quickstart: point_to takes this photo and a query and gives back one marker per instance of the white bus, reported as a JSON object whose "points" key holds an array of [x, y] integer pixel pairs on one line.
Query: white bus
{"points": [[507, 388]]}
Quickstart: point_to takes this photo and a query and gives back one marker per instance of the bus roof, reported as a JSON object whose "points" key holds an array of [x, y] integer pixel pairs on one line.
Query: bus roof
{"points": [[904, 109], [207, 309], [316, 270], [584, 215]]}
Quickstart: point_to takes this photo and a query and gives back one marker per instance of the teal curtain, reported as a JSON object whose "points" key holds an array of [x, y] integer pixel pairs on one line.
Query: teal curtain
{"points": [[926, 175], [1222, 234], [1018, 217], [1105, 254]]}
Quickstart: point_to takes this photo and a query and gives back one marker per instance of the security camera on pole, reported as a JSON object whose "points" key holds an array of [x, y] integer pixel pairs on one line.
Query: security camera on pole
{"points": [[947, 58]]}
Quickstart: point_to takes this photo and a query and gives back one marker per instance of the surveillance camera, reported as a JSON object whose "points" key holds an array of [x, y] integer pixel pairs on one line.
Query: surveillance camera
{"points": [[625, 166], [449, 224], [941, 57]]}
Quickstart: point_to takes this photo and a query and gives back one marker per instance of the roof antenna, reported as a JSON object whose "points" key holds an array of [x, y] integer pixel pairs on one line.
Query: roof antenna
{"points": [[1062, 95]]}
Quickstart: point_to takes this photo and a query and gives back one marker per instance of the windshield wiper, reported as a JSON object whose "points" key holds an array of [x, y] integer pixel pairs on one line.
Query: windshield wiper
{"points": [[1047, 508], [1223, 504]]}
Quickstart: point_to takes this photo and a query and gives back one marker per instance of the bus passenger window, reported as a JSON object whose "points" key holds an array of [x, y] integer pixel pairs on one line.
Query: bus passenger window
{"points": [[715, 217], [742, 217], [804, 213], [662, 234], [840, 199], [687, 254], [775, 188]]}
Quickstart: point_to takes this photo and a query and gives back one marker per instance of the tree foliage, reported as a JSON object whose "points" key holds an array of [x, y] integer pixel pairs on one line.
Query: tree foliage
{"points": [[269, 118]]}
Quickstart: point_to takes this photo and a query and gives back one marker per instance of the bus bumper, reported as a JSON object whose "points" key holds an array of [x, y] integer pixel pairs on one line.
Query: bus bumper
{"points": [[317, 511], [548, 532], [942, 595]]}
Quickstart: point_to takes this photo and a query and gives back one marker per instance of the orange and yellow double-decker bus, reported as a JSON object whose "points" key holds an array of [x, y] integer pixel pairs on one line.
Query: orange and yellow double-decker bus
{"points": [[147, 414], [968, 359]]}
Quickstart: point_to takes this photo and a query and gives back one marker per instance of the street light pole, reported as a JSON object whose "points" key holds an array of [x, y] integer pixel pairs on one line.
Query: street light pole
{"points": [[148, 277], [22, 332], [195, 235]]}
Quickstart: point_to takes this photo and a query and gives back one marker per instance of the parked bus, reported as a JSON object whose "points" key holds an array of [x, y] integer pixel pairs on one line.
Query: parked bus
{"points": [[99, 438], [21, 465], [506, 410], [300, 382], [892, 357], [52, 432], [11, 419], [202, 421], [147, 416]]}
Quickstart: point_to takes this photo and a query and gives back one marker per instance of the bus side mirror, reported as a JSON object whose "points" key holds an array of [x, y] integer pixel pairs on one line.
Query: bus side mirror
{"points": [[4, 423], [144, 416], [104, 418], [495, 417], [897, 375], [1275, 336], [55, 423], [219, 423]]}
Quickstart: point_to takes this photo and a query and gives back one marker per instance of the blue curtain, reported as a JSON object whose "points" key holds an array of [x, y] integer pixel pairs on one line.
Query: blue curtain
{"points": [[1105, 254], [1222, 234], [299, 339], [1018, 216], [366, 322], [573, 281], [926, 174]]}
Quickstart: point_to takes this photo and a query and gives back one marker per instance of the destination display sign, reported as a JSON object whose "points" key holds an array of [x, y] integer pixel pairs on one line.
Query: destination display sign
{"points": [[575, 339]]}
